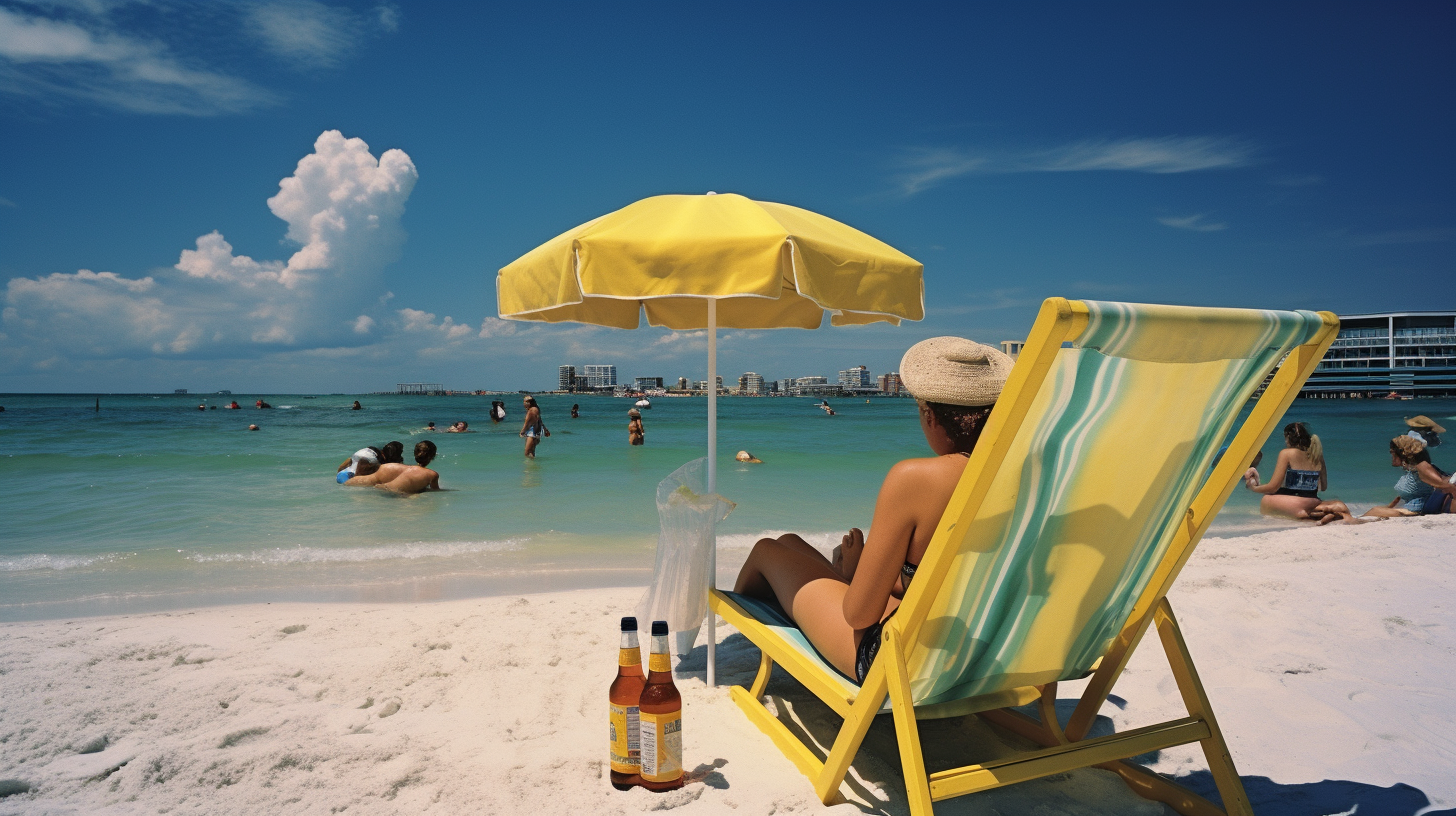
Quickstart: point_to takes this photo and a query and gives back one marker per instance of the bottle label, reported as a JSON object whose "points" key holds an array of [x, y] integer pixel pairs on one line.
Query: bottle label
{"points": [[626, 742], [661, 746], [660, 662], [629, 657]]}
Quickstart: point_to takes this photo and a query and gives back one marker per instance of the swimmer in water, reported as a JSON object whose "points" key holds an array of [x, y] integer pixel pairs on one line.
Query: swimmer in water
{"points": [[357, 406], [402, 478], [365, 460], [636, 434], [460, 427], [745, 456], [392, 454], [429, 426]]}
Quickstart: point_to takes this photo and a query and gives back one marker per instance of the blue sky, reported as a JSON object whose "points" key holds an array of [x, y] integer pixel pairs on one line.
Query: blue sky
{"points": [[302, 196]]}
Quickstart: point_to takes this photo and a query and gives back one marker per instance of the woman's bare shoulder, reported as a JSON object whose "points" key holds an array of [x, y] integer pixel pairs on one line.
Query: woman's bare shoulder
{"points": [[929, 467]]}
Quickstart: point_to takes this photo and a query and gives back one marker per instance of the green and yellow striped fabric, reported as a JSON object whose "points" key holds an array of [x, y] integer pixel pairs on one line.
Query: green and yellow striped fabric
{"points": [[1120, 437]]}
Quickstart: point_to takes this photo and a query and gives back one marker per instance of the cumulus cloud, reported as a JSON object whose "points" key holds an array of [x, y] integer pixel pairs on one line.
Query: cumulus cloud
{"points": [[1196, 223], [342, 206], [926, 168]]}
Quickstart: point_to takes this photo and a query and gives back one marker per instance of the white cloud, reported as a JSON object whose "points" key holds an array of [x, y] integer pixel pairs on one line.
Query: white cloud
{"points": [[341, 205], [926, 168], [1193, 222], [162, 57], [5, 202], [87, 58], [307, 33]]}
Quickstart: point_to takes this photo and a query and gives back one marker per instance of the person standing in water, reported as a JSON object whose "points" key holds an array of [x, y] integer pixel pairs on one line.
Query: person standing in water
{"points": [[533, 429], [636, 434], [574, 410]]}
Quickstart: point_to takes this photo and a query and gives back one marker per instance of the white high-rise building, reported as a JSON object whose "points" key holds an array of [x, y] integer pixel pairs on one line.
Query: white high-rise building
{"points": [[565, 378], [600, 376], [857, 377], [750, 383]]}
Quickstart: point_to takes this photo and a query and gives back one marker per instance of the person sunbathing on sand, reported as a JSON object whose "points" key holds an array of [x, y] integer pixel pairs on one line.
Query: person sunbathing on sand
{"points": [[842, 604], [1425, 489], [1299, 474]]}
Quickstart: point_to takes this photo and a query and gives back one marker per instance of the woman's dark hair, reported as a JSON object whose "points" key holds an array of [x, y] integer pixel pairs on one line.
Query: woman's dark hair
{"points": [[392, 453], [531, 401], [963, 424], [1298, 436], [424, 452]]}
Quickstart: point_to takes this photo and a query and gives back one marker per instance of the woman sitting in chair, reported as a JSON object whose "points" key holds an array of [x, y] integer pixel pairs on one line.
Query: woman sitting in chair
{"points": [[842, 604]]}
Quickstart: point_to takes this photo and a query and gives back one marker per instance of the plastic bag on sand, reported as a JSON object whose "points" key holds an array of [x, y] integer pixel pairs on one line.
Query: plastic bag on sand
{"points": [[680, 578]]}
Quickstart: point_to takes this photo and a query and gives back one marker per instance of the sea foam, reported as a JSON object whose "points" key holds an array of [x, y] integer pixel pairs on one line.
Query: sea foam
{"points": [[41, 561], [325, 555]]}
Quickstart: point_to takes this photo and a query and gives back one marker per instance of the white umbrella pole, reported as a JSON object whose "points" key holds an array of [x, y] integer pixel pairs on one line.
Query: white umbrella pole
{"points": [[713, 480]]}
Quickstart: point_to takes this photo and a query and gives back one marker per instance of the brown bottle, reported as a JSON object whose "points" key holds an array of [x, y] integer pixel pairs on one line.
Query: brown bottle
{"points": [[661, 716], [623, 695]]}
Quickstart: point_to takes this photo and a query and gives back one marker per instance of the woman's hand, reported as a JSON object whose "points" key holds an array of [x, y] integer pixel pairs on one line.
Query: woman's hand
{"points": [[846, 555], [1251, 478]]}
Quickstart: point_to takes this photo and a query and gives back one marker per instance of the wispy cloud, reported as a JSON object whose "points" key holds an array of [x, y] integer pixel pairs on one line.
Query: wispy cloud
{"points": [[5, 202], [1435, 235], [925, 168], [1194, 223], [306, 33], [97, 52], [86, 59]]}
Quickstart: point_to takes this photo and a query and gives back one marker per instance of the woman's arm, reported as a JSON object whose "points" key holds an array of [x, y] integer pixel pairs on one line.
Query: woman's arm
{"points": [[886, 547], [1276, 479], [1433, 477], [1324, 478], [525, 423]]}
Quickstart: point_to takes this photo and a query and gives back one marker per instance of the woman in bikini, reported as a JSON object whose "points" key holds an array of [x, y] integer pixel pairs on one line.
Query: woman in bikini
{"points": [[1299, 474], [1423, 489], [533, 429], [841, 604], [636, 434]]}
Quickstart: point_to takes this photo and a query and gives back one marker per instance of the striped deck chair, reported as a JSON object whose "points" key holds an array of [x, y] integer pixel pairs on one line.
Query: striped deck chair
{"points": [[1085, 496]]}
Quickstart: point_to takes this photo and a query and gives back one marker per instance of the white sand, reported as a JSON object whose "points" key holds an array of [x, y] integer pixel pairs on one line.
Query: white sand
{"points": [[1330, 656]]}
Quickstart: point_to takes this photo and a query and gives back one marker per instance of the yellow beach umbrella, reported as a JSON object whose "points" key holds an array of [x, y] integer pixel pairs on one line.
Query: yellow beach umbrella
{"points": [[709, 261]]}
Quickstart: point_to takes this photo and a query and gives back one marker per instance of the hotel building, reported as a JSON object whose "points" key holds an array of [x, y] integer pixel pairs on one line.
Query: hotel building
{"points": [[1411, 354]]}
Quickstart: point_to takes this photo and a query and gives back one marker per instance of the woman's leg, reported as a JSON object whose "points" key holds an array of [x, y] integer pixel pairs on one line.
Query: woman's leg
{"points": [[1295, 507], [1381, 511], [531, 443], [808, 589]]}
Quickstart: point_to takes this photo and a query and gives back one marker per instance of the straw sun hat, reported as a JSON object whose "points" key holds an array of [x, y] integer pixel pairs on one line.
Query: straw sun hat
{"points": [[634, 413], [954, 371], [1423, 421]]}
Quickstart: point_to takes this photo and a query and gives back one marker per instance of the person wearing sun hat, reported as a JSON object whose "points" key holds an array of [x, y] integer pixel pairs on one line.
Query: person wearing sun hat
{"points": [[1425, 429], [841, 604]]}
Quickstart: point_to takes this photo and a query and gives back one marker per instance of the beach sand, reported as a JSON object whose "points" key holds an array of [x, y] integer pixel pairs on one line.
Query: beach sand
{"points": [[1329, 654]]}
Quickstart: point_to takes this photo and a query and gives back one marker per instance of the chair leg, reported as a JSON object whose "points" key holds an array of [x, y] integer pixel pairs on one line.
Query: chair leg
{"points": [[760, 682], [907, 732], [1047, 707], [1215, 749], [851, 735]]}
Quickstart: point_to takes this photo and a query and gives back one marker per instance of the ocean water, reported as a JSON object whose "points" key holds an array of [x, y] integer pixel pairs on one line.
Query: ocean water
{"points": [[149, 503]]}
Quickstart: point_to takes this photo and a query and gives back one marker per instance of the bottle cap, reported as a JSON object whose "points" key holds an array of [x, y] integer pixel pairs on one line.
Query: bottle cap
{"points": [[659, 628], [629, 624]]}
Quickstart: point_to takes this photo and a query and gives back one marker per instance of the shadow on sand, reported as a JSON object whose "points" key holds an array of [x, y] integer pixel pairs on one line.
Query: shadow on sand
{"points": [[875, 784]]}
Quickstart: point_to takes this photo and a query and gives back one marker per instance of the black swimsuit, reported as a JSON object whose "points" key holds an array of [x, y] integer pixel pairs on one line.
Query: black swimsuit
{"points": [[869, 645]]}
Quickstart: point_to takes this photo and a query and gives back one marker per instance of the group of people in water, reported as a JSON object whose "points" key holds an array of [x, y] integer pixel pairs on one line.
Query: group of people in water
{"points": [[384, 467], [1300, 475]]}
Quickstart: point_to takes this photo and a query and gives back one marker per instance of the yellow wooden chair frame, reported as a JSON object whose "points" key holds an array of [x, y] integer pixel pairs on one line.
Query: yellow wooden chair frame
{"points": [[1058, 322]]}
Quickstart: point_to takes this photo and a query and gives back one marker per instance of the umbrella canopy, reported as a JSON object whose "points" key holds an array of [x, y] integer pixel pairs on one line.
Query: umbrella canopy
{"points": [[704, 261], [767, 265]]}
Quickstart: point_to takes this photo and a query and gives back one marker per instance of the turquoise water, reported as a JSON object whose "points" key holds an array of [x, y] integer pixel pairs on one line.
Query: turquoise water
{"points": [[150, 503]]}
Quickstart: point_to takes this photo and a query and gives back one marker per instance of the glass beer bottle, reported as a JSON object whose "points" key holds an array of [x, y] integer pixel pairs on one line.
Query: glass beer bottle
{"points": [[661, 717], [623, 694]]}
